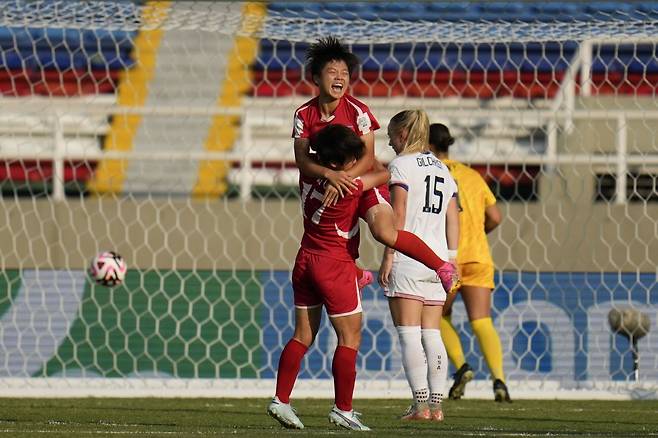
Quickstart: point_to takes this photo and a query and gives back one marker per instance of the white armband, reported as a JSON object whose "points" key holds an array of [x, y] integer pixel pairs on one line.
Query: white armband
{"points": [[452, 254]]}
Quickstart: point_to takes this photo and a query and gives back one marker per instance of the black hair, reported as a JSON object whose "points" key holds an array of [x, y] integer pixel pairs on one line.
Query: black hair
{"points": [[326, 50], [337, 145], [440, 138]]}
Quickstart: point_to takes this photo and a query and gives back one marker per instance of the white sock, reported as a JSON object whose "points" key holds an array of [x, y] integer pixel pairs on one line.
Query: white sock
{"points": [[437, 363], [413, 361]]}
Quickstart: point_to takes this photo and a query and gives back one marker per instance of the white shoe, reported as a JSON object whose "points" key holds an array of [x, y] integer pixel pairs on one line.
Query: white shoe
{"points": [[348, 420], [284, 414]]}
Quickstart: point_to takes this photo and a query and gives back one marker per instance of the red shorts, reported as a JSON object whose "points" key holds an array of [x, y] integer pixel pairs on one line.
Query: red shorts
{"points": [[318, 280], [372, 197]]}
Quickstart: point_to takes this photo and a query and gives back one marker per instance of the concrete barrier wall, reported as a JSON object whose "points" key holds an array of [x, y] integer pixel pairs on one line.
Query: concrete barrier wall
{"points": [[224, 235]]}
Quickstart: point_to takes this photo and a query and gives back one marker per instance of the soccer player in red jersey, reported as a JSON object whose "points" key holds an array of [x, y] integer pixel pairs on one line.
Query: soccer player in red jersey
{"points": [[331, 65], [325, 275]]}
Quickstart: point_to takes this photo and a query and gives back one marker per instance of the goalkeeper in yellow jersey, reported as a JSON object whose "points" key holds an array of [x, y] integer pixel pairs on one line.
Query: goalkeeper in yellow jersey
{"points": [[479, 215]]}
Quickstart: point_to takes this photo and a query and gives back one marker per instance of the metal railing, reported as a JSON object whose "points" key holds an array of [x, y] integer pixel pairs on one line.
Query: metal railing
{"points": [[244, 156], [580, 73]]}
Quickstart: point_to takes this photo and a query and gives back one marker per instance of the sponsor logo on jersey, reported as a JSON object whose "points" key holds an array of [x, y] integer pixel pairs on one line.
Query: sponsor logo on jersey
{"points": [[363, 122]]}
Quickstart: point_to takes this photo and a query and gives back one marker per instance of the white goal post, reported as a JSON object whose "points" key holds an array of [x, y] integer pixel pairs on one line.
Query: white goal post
{"points": [[161, 130]]}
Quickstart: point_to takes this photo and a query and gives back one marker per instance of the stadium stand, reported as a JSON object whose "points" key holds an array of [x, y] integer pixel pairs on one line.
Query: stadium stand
{"points": [[468, 11], [440, 77], [443, 77], [56, 67], [466, 70]]}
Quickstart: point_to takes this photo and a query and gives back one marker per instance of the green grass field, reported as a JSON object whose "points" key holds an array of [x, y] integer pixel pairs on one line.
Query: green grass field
{"points": [[247, 417]]}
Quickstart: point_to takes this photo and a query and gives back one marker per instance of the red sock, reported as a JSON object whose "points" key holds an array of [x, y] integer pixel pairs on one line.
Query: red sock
{"points": [[291, 358], [344, 371], [411, 245]]}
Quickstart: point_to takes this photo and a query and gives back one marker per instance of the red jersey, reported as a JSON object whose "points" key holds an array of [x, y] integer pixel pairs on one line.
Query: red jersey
{"points": [[350, 112], [331, 231]]}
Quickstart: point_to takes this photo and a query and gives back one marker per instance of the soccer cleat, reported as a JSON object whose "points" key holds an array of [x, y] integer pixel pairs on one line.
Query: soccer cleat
{"points": [[349, 420], [501, 393], [463, 375], [417, 411], [284, 414], [449, 277], [436, 412], [366, 279]]}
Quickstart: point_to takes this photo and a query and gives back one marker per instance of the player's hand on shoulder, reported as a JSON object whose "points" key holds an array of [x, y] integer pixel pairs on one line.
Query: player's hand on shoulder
{"points": [[331, 196], [341, 181]]}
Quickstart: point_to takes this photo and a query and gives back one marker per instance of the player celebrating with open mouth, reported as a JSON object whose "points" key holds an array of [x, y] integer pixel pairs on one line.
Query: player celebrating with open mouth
{"points": [[331, 66]]}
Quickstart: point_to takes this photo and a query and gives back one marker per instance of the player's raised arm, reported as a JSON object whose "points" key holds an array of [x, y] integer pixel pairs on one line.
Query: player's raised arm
{"points": [[367, 161], [378, 176], [305, 163]]}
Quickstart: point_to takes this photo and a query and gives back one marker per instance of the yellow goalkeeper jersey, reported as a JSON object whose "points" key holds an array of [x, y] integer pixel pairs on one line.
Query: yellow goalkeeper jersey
{"points": [[474, 197]]}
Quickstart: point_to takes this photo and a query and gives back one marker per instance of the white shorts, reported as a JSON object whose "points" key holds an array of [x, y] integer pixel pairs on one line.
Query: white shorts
{"points": [[415, 282]]}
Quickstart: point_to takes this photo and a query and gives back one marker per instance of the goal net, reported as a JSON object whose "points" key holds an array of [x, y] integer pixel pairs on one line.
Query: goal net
{"points": [[161, 131]]}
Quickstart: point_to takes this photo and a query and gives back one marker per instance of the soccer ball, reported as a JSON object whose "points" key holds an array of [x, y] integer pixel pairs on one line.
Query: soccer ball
{"points": [[108, 269]]}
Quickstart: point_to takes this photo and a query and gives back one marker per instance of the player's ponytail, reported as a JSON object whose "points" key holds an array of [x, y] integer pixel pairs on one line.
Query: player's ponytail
{"points": [[440, 138], [417, 126]]}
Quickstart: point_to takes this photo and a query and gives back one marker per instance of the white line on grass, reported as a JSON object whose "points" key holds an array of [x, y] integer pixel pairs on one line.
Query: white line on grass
{"points": [[115, 432]]}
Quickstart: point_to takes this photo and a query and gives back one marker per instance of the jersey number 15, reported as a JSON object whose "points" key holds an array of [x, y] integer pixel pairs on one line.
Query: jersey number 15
{"points": [[430, 190]]}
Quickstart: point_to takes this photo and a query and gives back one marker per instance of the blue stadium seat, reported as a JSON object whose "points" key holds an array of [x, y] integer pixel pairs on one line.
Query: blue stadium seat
{"points": [[607, 8], [448, 7], [290, 6], [63, 60], [546, 56], [508, 11], [650, 8], [553, 8], [526, 70], [63, 49], [469, 11], [344, 6], [533, 56]]}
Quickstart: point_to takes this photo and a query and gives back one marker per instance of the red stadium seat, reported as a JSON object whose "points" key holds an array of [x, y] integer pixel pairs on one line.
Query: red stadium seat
{"points": [[441, 84], [70, 83], [38, 171]]}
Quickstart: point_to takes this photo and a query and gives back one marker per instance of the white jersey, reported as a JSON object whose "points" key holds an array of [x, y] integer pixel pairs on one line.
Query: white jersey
{"points": [[429, 187]]}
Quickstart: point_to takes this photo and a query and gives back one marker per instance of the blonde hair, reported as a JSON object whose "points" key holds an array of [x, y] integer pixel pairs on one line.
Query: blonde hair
{"points": [[417, 125]]}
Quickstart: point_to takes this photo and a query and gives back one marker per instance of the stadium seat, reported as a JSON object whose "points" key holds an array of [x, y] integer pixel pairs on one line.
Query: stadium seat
{"points": [[68, 63], [535, 69], [510, 75], [468, 11]]}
